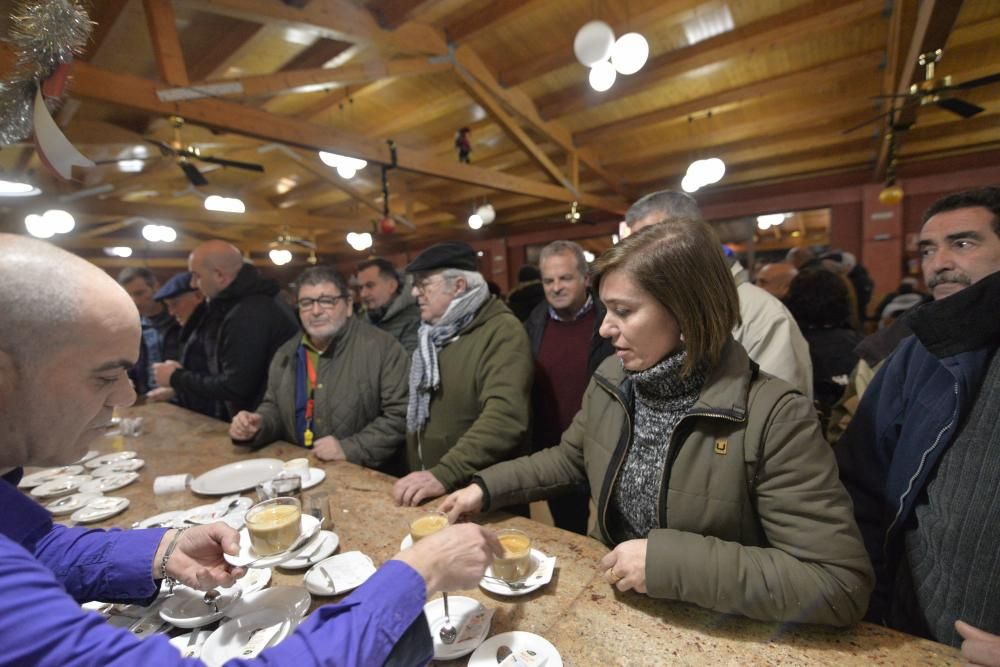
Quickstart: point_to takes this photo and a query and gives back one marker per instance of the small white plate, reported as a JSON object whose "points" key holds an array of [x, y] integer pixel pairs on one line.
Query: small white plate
{"points": [[316, 476], [347, 571], [235, 477], [254, 580], [47, 475], [174, 519], [218, 511], [186, 608], [317, 550], [463, 611], [486, 654], [534, 581], [128, 465], [109, 458], [281, 604], [309, 525], [89, 455], [69, 504], [100, 509], [109, 483], [60, 486]]}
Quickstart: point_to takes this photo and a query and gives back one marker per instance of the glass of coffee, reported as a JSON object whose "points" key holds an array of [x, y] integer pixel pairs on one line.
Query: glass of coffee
{"points": [[515, 563], [274, 525], [426, 524]]}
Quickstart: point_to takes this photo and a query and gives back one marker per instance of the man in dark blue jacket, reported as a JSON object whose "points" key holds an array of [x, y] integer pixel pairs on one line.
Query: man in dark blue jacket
{"points": [[920, 458]]}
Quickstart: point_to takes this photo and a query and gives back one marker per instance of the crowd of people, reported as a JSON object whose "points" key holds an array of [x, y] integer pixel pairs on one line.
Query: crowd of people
{"points": [[744, 446]]}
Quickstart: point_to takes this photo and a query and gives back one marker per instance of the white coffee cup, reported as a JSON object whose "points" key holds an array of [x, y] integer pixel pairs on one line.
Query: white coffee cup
{"points": [[298, 467]]}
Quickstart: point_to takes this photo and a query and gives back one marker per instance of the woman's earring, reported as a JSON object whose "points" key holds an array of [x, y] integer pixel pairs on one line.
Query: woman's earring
{"points": [[682, 336]]}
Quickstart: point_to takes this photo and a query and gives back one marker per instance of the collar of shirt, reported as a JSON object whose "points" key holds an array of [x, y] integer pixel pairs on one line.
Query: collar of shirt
{"points": [[584, 309]]}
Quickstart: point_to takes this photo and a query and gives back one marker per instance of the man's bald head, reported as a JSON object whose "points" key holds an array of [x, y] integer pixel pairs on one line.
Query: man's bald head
{"points": [[800, 256], [214, 265], [775, 278], [45, 292], [69, 335]]}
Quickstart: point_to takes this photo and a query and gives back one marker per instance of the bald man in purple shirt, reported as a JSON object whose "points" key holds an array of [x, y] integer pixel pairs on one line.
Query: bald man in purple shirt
{"points": [[69, 333]]}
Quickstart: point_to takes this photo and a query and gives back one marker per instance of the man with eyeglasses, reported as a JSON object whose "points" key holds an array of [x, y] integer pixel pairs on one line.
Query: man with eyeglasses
{"points": [[470, 381], [339, 389]]}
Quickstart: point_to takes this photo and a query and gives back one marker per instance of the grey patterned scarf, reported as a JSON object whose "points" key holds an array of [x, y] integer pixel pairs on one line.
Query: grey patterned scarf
{"points": [[662, 398], [425, 376]]}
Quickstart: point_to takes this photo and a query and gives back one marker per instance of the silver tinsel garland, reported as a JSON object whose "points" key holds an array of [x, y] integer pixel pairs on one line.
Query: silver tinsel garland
{"points": [[45, 35]]}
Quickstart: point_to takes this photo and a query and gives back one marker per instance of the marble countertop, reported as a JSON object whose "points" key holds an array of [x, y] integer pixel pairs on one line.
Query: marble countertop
{"points": [[590, 622]]}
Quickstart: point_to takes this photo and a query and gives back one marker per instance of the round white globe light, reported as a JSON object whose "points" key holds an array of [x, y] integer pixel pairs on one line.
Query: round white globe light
{"points": [[167, 234], [770, 220], [602, 76], [60, 221], [346, 170], [475, 221], [689, 183], [487, 213], [630, 53], [364, 240], [763, 225], [151, 233], [280, 256], [38, 226], [714, 169], [593, 42]]}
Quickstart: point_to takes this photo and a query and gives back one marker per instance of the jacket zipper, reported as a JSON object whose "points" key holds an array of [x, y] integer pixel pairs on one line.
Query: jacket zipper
{"points": [[672, 452], [913, 479], [621, 461]]}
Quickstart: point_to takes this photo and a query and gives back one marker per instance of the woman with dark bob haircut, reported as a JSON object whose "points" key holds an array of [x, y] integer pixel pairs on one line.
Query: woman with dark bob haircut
{"points": [[712, 481]]}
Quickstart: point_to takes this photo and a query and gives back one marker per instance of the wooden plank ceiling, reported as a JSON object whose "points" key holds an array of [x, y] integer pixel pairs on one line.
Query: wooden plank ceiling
{"points": [[769, 86]]}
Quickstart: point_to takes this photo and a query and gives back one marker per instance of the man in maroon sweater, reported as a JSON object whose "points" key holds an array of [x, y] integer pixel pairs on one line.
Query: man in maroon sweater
{"points": [[567, 349]]}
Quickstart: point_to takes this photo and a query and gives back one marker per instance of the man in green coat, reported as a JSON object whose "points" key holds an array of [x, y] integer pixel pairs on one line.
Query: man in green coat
{"points": [[470, 377], [388, 302], [339, 389]]}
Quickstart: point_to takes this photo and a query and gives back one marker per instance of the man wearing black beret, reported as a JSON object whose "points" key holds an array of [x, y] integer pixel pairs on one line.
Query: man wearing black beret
{"points": [[470, 380]]}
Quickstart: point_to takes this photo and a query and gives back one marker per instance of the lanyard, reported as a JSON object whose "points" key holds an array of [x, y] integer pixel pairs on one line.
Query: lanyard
{"points": [[307, 435]]}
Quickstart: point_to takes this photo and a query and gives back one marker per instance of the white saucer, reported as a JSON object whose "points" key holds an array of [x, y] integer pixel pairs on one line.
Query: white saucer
{"points": [[100, 509], [309, 525], [128, 465], [186, 608], [47, 475], [62, 485], [281, 604], [89, 455], [174, 519], [317, 550], [109, 458], [69, 504], [347, 571], [235, 477], [534, 581], [218, 511], [316, 476], [110, 483], [254, 580], [486, 654], [463, 611]]}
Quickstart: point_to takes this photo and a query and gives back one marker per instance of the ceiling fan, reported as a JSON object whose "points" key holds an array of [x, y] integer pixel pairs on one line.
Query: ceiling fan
{"points": [[938, 92], [185, 155]]}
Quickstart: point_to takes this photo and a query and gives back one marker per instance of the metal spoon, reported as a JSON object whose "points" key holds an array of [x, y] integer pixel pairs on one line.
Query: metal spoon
{"points": [[212, 598], [448, 631]]}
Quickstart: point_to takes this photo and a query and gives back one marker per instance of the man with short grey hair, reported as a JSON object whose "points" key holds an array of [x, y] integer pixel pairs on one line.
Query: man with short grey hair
{"points": [[766, 330], [470, 378], [568, 348]]}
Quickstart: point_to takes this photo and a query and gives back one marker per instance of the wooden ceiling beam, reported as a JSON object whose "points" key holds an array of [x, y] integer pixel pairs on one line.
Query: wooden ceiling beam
{"points": [[222, 48], [334, 19], [393, 13], [810, 77], [104, 21], [934, 23], [166, 43], [301, 194], [317, 54], [487, 18], [137, 93], [336, 97], [469, 64], [796, 23], [311, 80], [662, 14]]}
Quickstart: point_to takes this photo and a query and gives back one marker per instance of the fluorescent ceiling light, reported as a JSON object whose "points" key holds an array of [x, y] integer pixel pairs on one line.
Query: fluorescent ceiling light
{"points": [[18, 189]]}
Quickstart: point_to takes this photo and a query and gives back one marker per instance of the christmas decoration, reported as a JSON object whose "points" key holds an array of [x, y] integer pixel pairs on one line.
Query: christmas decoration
{"points": [[462, 144], [45, 35]]}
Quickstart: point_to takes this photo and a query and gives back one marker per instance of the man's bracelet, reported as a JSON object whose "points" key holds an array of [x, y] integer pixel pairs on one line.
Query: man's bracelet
{"points": [[166, 556]]}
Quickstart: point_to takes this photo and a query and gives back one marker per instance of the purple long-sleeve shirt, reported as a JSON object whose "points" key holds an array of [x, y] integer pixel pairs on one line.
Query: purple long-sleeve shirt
{"points": [[46, 571]]}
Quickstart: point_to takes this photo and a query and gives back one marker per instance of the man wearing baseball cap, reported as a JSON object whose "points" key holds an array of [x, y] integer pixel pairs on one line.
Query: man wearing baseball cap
{"points": [[470, 379], [187, 305]]}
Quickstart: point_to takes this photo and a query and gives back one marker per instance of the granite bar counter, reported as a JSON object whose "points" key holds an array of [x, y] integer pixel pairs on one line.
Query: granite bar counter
{"points": [[589, 621]]}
